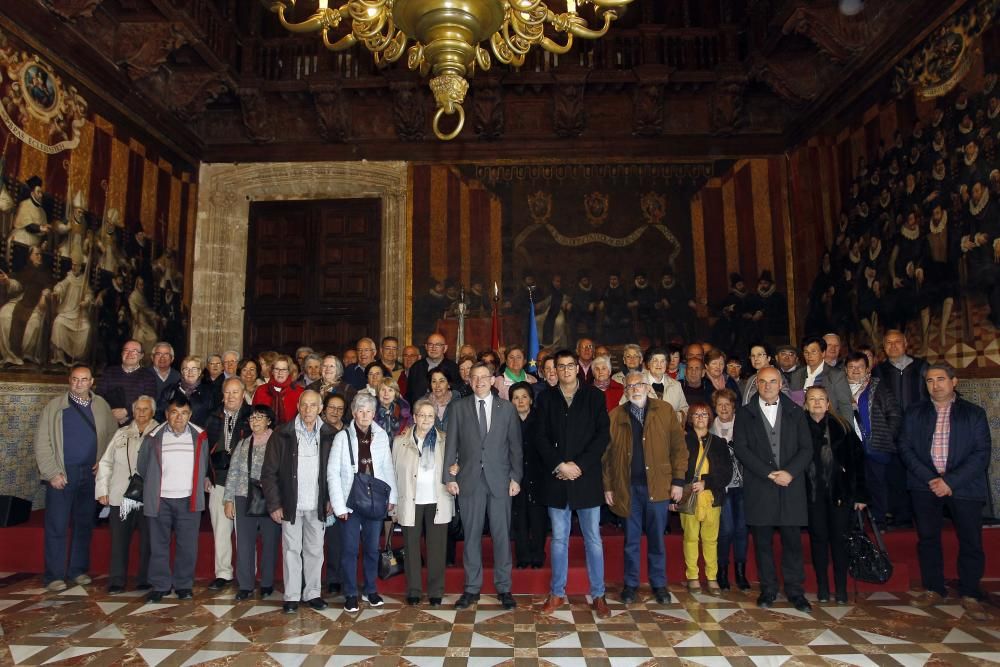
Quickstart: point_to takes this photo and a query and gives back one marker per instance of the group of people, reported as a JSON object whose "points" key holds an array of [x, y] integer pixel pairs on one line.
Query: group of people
{"points": [[275, 446]]}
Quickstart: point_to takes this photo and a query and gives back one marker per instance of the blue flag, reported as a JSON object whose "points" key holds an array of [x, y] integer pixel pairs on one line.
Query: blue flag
{"points": [[532, 338]]}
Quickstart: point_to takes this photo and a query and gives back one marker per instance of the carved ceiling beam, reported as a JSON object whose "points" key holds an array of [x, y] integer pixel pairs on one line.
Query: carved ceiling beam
{"points": [[73, 9], [839, 37], [794, 80], [257, 121], [142, 47], [210, 34], [333, 116]]}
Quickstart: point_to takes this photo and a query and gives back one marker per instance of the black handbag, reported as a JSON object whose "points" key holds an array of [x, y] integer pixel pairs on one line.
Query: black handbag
{"points": [[867, 560], [134, 489], [369, 496], [256, 503], [390, 561]]}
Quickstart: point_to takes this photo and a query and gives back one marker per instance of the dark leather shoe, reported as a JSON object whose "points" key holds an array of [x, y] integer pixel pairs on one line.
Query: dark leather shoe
{"points": [[143, 587], [184, 594], [156, 596], [318, 604], [723, 577], [466, 600], [244, 594], [822, 596], [741, 576], [841, 598], [600, 607], [412, 600], [219, 584], [266, 591], [662, 595], [766, 600], [801, 603], [507, 600], [290, 607], [435, 602], [115, 590], [552, 603], [628, 595]]}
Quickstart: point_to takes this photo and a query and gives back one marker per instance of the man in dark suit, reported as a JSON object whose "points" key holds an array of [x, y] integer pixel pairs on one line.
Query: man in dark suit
{"points": [[417, 381], [484, 438], [771, 438], [945, 445], [570, 435], [817, 372]]}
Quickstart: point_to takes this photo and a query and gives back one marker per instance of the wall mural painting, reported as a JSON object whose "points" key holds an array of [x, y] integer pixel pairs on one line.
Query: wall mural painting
{"points": [[94, 228], [605, 248]]}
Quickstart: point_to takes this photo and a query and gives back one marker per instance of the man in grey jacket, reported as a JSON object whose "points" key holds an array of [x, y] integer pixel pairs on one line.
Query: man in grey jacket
{"points": [[73, 432], [173, 462]]}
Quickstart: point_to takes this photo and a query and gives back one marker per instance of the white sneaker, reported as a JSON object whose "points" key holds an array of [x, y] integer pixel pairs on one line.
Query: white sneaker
{"points": [[83, 579], [56, 586]]}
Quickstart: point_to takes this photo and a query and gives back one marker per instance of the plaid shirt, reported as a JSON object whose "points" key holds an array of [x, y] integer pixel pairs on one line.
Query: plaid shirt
{"points": [[939, 441]]}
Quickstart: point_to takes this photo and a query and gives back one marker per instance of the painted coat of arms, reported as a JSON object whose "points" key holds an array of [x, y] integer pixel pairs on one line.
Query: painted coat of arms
{"points": [[35, 104]]}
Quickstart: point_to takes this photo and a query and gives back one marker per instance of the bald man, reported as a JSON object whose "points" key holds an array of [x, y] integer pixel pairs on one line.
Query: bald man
{"points": [[417, 382]]}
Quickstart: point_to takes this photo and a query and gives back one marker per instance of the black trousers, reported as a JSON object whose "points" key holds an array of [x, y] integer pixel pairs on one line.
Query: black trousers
{"points": [[334, 541], [967, 517], [829, 527], [435, 537], [121, 542], [792, 571], [529, 521], [899, 495]]}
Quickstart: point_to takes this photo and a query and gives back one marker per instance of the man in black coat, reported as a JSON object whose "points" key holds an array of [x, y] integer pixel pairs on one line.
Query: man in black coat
{"points": [[903, 375], [945, 445], [771, 439], [571, 434], [417, 382]]}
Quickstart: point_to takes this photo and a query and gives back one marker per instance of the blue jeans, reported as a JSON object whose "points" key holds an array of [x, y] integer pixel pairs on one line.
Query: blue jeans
{"points": [[652, 517], [733, 528], [73, 504], [366, 533], [590, 519]]}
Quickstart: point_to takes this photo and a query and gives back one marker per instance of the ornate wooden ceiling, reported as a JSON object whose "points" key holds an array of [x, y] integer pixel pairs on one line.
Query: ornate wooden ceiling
{"points": [[219, 80]]}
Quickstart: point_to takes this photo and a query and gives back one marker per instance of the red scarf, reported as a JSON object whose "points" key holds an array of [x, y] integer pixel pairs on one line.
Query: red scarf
{"points": [[275, 390]]}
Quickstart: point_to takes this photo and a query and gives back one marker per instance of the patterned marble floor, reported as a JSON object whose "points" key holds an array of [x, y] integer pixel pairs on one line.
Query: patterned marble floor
{"points": [[83, 625]]}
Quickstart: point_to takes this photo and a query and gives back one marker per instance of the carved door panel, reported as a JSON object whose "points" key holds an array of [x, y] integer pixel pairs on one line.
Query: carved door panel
{"points": [[312, 274]]}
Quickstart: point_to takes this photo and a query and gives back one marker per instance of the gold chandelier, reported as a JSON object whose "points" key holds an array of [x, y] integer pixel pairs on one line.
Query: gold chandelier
{"points": [[447, 36]]}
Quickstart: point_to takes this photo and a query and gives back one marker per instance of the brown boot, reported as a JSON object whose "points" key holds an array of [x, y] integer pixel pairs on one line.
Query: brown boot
{"points": [[600, 607], [552, 603]]}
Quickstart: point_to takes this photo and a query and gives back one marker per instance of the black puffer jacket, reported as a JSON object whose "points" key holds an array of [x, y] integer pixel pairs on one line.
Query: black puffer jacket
{"points": [[886, 417]]}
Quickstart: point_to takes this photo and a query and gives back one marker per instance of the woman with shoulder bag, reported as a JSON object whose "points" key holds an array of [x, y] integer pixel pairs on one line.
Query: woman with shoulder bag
{"points": [[709, 471], [425, 506], [113, 474], [362, 447], [238, 503], [835, 483]]}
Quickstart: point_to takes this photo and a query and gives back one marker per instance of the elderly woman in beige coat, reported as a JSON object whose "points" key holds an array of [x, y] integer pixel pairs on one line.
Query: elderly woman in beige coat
{"points": [[424, 505], [113, 473]]}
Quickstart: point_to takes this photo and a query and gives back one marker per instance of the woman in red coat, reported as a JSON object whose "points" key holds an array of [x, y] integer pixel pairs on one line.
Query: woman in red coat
{"points": [[278, 393], [613, 391]]}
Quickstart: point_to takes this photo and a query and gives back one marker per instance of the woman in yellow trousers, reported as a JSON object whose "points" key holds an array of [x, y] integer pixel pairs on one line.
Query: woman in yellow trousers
{"points": [[709, 470]]}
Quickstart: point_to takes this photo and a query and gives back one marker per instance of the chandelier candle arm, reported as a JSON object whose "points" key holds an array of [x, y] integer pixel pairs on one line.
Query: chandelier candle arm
{"points": [[448, 35]]}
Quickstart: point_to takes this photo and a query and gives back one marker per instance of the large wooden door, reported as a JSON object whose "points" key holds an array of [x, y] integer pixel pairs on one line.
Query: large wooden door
{"points": [[312, 274]]}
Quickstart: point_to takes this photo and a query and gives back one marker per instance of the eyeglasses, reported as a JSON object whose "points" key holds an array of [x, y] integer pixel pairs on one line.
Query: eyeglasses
{"points": [[256, 417], [436, 344], [698, 415], [637, 385], [565, 367], [275, 369]]}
